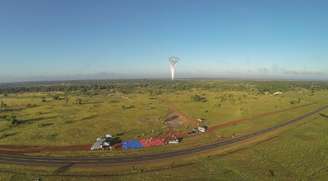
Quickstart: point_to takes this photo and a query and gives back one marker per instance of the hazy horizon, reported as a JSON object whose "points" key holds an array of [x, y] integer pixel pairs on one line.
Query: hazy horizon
{"points": [[181, 76]]}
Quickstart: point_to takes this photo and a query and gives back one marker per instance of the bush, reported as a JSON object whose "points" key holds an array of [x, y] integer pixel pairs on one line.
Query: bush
{"points": [[78, 101], [3, 106]]}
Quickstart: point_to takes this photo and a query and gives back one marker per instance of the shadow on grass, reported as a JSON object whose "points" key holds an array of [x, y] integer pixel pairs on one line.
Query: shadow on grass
{"points": [[323, 115], [39, 119], [45, 125], [88, 117], [7, 135]]}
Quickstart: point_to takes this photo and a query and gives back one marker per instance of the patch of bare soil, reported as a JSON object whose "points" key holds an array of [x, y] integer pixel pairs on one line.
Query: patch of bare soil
{"points": [[173, 120]]}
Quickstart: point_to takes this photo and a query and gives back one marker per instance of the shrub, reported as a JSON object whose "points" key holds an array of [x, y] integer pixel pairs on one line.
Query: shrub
{"points": [[198, 98], [13, 120]]}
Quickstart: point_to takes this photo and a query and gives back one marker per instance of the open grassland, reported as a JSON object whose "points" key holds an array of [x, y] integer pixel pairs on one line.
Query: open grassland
{"points": [[60, 123], [297, 153], [70, 114], [66, 118]]}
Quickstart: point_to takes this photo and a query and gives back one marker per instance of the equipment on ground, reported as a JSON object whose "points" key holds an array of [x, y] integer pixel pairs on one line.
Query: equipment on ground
{"points": [[202, 129], [131, 144], [106, 142]]}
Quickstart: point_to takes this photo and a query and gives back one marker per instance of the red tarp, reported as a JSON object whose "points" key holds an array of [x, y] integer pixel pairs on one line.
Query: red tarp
{"points": [[152, 142]]}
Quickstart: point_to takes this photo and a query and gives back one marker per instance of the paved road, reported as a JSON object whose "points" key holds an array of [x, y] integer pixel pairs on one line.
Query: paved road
{"points": [[44, 160]]}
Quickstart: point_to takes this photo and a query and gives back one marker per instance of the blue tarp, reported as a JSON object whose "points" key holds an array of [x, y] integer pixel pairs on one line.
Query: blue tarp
{"points": [[131, 144]]}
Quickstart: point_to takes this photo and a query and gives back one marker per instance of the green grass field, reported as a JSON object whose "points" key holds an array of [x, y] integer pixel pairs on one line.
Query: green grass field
{"points": [[74, 117]]}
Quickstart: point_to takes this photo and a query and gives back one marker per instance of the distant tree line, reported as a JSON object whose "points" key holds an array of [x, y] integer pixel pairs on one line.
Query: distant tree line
{"points": [[155, 87]]}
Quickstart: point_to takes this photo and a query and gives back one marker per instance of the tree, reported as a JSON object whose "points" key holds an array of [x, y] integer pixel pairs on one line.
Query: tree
{"points": [[66, 99]]}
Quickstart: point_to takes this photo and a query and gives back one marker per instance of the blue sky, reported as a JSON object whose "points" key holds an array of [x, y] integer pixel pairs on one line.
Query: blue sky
{"points": [[62, 39]]}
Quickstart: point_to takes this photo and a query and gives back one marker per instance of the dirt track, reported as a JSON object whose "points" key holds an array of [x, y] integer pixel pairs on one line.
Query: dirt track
{"points": [[235, 122], [43, 160], [20, 149]]}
